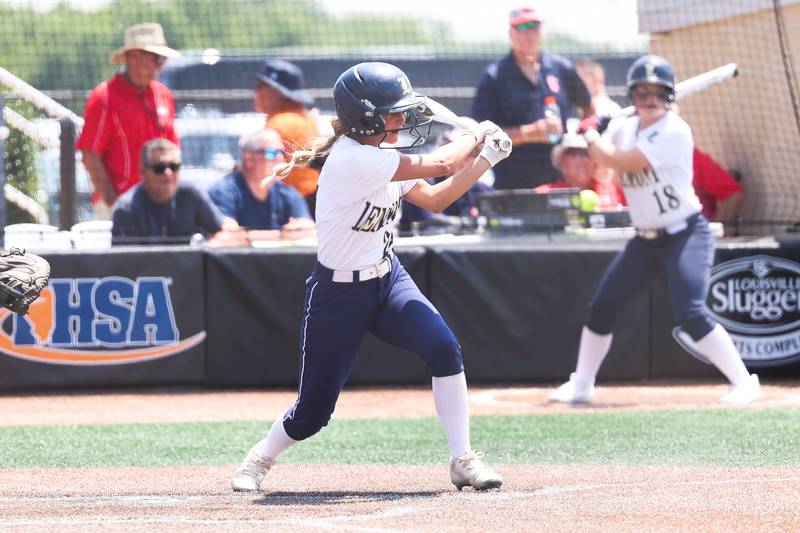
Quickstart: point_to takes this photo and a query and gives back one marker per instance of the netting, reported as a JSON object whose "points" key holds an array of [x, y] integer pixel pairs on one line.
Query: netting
{"points": [[751, 124]]}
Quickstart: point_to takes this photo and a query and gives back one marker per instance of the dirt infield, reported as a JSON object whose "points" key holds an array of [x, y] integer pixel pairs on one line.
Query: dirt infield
{"points": [[393, 498], [378, 498]]}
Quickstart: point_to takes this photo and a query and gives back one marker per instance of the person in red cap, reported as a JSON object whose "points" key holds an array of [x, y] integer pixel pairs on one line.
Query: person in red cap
{"points": [[125, 112], [512, 94]]}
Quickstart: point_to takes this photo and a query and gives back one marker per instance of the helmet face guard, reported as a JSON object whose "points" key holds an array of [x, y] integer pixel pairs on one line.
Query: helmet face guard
{"points": [[415, 131], [365, 92]]}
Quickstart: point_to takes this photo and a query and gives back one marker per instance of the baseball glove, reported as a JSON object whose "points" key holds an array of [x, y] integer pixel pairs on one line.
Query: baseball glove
{"points": [[22, 278]]}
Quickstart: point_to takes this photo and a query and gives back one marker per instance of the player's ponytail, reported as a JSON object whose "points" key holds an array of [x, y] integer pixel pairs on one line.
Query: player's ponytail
{"points": [[318, 150]]}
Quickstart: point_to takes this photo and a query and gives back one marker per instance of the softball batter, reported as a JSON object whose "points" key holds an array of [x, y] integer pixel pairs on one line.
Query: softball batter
{"points": [[652, 150], [358, 285]]}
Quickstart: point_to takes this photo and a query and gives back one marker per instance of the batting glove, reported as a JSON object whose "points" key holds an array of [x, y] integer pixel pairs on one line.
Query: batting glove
{"points": [[496, 147], [480, 131], [594, 123]]}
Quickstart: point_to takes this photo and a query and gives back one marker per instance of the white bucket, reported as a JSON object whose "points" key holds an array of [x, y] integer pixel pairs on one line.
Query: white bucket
{"points": [[35, 237], [92, 234]]}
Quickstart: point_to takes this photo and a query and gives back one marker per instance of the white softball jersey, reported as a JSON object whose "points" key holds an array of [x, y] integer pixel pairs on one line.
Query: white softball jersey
{"points": [[357, 205], [662, 194]]}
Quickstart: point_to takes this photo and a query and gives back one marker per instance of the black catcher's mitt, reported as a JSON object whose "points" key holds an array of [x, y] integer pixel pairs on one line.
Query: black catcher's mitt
{"points": [[22, 278]]}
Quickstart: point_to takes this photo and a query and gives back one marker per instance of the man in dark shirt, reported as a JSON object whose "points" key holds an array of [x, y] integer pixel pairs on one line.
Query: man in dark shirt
{"points": [[160, 209], [512, 94], [241, 197]]}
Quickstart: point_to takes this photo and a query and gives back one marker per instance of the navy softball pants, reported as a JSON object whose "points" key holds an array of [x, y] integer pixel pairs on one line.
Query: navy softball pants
{"points": [[336, 318], [686, 257]]}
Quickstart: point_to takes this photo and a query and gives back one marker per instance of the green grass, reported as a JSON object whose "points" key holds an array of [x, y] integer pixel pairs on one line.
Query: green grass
{"points": [[746, 437]]}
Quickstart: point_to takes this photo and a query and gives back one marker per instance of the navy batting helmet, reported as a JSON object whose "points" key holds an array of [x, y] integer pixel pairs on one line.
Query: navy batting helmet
{"points": [[366, 90], [652, 69]]}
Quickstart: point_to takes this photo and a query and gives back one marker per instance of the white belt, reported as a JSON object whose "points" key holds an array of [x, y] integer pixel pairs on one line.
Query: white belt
{"points": [[375, 271], [655, 233]]}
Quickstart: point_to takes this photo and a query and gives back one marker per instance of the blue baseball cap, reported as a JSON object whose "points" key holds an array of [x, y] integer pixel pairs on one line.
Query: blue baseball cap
{"points": [[287, 78]]}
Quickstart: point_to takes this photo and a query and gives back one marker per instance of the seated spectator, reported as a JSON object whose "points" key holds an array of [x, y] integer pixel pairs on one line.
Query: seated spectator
{"points": [[571, 158], [280, 95], [719, 192], [242, 198], [161, 209]]}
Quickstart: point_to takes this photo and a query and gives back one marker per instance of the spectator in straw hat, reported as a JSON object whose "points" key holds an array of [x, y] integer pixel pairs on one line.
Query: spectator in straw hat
{"points": [[571, 158], [123, 113], [279, 93]]}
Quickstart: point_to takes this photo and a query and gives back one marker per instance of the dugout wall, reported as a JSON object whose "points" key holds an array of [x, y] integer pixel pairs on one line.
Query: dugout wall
{"points": [[182, 316]]}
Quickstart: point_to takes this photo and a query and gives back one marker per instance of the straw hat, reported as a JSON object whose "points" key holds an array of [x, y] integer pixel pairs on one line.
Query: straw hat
{"points": [[569, 140], [147, 36]]}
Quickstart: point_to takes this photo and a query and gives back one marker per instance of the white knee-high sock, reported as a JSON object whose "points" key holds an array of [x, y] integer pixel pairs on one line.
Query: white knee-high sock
{"points": [[276, 443], [593, 349], [452, 405], [721, 351]]}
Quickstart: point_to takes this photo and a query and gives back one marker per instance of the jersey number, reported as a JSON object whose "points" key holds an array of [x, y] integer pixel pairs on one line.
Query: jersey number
{"points": [[667, 196], [388, 239]]}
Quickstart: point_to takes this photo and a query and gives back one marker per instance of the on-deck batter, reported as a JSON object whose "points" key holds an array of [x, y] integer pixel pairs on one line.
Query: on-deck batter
{"points": [[653, 152]]}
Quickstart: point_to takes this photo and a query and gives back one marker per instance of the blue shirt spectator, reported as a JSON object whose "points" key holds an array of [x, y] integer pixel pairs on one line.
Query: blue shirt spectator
{"points": [[246, 201], [511, 93], [234, 199]]}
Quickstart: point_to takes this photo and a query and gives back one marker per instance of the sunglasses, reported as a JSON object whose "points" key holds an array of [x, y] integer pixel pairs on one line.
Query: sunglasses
{"points": [[644, 94], [160, 168], [532, 25], [270, 154]]}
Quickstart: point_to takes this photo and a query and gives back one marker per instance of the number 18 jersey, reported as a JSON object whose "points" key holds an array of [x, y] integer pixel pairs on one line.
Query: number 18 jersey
{"points": [[662, 194]]}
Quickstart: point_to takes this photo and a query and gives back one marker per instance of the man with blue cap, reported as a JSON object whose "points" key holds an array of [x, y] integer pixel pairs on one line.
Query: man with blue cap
{"points": [[279, 93]]}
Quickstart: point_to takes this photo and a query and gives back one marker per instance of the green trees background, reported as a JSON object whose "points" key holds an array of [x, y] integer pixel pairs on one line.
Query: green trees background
{"points": [[68, 48]]}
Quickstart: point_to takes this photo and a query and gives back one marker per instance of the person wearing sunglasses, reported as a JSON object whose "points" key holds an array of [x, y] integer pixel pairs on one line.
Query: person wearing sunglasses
{"points": [[242, 198], [161, 209], [125, 112], [512, 93], [653, 152]]}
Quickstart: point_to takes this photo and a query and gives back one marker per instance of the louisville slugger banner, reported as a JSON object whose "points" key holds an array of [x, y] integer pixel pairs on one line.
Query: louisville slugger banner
{"points": [[757, 299], [130, 327]]}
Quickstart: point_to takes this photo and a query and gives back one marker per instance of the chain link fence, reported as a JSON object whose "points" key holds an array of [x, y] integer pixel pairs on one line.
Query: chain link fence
{"points": [[750, 125]]}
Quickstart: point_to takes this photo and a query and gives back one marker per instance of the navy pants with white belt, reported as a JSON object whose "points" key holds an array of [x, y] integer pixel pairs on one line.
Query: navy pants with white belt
{"points": [[337, 317], [686, 257]]}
